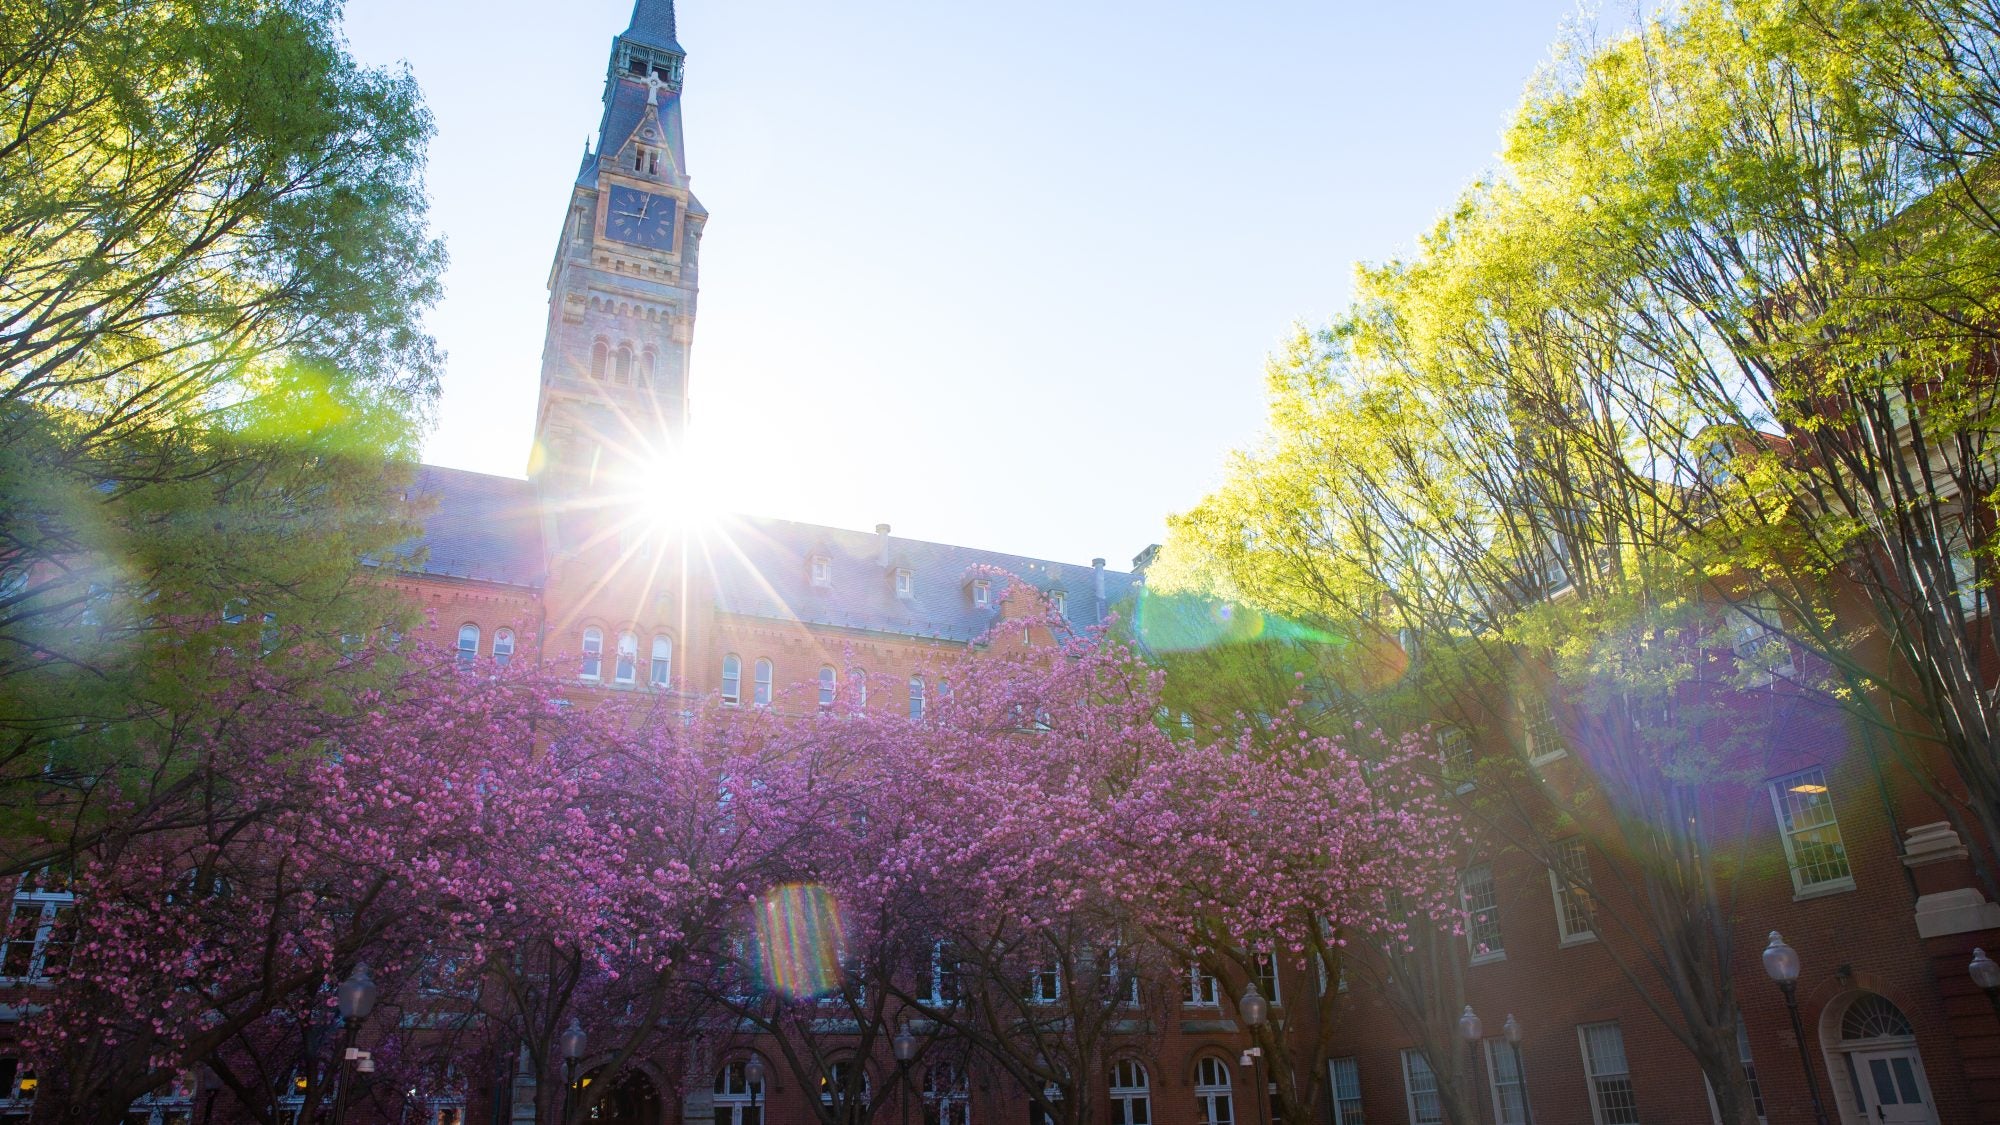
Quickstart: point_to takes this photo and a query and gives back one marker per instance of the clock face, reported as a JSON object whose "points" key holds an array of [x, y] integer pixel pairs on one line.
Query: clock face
{"points": [[640, 217]]}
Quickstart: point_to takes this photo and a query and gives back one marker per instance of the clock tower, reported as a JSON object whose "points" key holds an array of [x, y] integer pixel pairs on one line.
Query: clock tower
{"points": [[614, 391]]}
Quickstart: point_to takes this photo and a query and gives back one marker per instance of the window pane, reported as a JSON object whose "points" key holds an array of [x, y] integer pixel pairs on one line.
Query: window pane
{"points": [[1482, 912], [1812, 833]]}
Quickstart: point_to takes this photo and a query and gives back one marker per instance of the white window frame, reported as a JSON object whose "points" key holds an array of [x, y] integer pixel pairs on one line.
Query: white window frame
{"points": [[593, 654], [1455, 758], [1044, 985], [905, 583], [625, 663], [1536, 713], [1414, 1091], [982, 593], [1593, 1075], [1497, 949], [467, 653], [917, 697], [1779, 787], [740, 1098], [821, 571], [1573, 890], [1203, 990], [44, 910], [1500, 1053], [1343, 1081], [760, 684], [1125, 1095], [1266, 962], [946, 1102], [944, 968], [1059, 601], [829, 685], [732, 680], [1210, 1093], [660, 672], [1120, 986], [503, 647]]}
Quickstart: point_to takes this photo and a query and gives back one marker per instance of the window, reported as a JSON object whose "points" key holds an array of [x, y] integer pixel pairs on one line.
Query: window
{"points": [[1345, 1077], [598, 355], [627, 668], [1569, 882], [1131, 1094], [649, 365], [837, 1085], [1420, 1088], [1811, 832], [1761, 650], [916, 697], [947, 1100], [1504, 1082], [732, 680], [982, 593], [860, 690], [39, 931], [822, 571], [944, 974], [1267, 978], [1749, 1072], [1481, 902], [903, 583], [1059, 602], [1538, 729], [827, 683], [737, 1102], [1044, 985], [662, 672], [171, 1104], [621, 365], [468, 643], [17, 1090], [1455, 758], [1119, 982], [762, 690], [1611, 1100], [503, 646], [1203, 991], [593, 653], [1212, 1102]]}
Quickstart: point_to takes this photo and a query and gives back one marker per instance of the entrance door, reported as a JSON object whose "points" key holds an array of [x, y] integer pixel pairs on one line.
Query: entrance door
{"points": [[1893, 1087]]}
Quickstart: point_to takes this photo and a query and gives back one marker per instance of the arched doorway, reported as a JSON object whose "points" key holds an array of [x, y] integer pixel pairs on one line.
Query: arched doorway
{"points": [[1871, 1053], [633, 1099]]}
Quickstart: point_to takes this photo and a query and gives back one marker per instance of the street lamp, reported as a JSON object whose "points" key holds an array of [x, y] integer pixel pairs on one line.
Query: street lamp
{"points": [[753, 1077], [1986, 974], [905, 1046], [1512, 1030], [354, 998], [1470, 1029], [572, 1043], [1255, 1010], [1781, 964]]}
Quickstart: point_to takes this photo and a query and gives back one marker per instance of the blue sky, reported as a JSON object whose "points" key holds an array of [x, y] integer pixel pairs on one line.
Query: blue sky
{"points": [[995, 274]]}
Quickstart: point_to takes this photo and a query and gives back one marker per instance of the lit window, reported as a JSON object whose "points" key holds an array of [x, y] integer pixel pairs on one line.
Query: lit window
{"points": [[737, 1100], [916, 697], [1212, 1101], [627, 668], [827, 682], [1131, 1094], [1420, 1088], [1539, 735], [822, 571], [1811, 832], [662, 673], [761, 688], [732, 680], [1203, 990], [1455, 758], [39, 928], [1610, 1078], [902, 583], [1346, 1076], [843, 1080], [1504, 1082], [1481, 902], [982, 592], [468, 643], [593, 653], [503, 646], [947, 1099], [1569, 881]]}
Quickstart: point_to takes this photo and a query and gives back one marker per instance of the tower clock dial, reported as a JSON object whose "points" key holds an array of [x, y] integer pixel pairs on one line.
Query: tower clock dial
{"points": [[640, 217]]}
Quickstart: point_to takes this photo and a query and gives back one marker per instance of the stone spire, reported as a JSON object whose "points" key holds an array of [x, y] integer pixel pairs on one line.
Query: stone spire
{"points": [[653, 25]]}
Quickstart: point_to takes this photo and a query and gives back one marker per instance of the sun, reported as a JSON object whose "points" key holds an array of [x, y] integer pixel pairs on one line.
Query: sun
{"points": [[671, 495]]}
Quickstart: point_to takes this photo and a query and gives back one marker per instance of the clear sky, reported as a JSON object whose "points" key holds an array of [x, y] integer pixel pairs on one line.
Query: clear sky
{"points": [[996, 274]]}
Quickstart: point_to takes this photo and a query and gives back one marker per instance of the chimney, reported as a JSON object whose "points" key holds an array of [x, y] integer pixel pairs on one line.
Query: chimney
{"points": [[882, 543], [1097, 570], [1144, 559]]}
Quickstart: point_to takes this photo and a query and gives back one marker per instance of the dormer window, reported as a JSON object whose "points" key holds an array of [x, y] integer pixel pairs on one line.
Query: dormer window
{"points": [[982, 593], [822, 571], [904, 585], [1060, 602]]}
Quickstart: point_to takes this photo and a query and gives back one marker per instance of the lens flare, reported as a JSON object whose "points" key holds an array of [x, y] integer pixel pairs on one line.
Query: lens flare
{"points": [[800, 940]]}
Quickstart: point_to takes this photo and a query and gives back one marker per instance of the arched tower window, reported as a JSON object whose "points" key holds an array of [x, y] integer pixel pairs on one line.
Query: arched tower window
{"points": [[648, 367], [468, 643], [621, 371], [598, 354]]}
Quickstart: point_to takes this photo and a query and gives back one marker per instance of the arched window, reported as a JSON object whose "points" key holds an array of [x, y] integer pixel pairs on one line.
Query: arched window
{"points": [[840, 1083], [663, 661], [1211, 1093], [762, 696], [598, 353], [946, 1098], [468, 643], [860, 689], [648, 367], [627, 669], [916, 697], [1131, 1094], [736, 1099], [732, 680], [593, 653], [503, 646], [621, 370], [826, 685]]}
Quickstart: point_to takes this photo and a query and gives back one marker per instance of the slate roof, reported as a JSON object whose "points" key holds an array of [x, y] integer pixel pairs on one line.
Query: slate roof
{"points": [[478, 526], [653, 25], [762, 568], [624, 109]]}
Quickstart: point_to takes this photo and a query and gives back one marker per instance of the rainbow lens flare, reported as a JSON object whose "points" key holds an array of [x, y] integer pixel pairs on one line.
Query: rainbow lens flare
{"points": [[800, 941]]}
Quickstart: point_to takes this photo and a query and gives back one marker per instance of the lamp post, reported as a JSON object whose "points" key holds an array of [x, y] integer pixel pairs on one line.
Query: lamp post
{"points": [[1255, 1010], [1781, 964], [905, 1046], [1470, 1029], [1986, 974], [354, 999], [753, 1077], [1512, 1030], [572, 1042]]}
